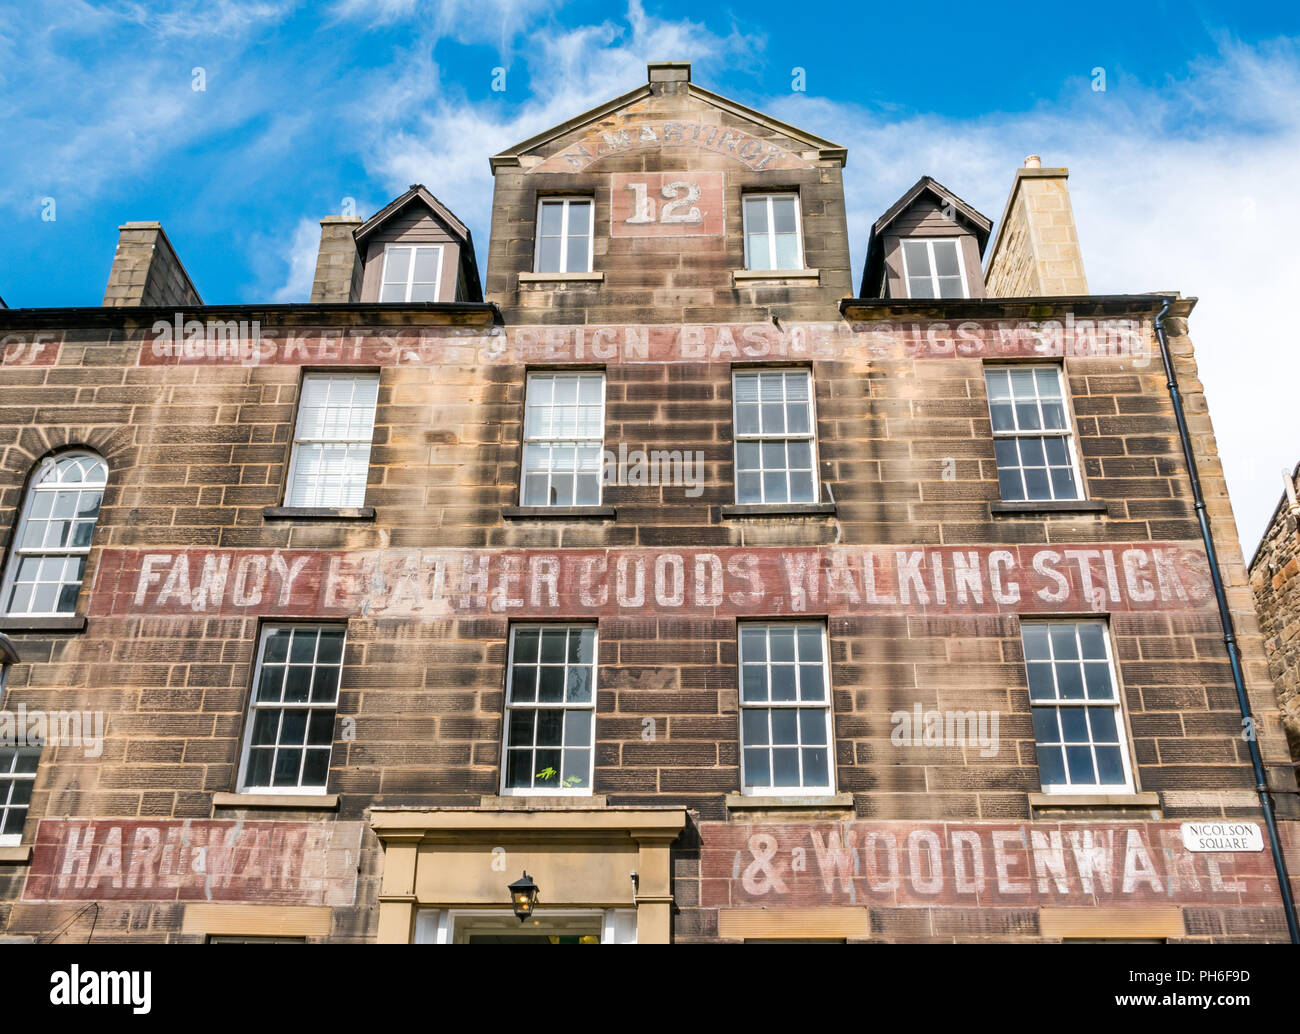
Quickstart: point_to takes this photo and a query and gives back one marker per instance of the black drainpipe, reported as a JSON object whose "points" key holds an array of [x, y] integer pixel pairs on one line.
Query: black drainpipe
{"points": [[1229, 635]]}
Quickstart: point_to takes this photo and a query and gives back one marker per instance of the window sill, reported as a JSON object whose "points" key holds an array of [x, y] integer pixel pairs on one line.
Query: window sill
{"points": [[778, 509], [309, 513], [1096, 801], [68, 623], [745, 802], [561, 513], [562, 278], [1033, 506], [314, 801], [18, 854], [527, 801], [742, 275]]}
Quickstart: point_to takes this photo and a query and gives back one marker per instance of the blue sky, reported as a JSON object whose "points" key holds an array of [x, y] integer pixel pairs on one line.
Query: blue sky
{"points": [[1175, 167]]}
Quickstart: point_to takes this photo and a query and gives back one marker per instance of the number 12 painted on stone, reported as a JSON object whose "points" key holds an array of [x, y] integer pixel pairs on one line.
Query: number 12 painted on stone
{"points": [[666, 204]]}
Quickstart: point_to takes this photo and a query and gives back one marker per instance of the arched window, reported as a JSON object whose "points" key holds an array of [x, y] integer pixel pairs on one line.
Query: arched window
{"points": [[48, 558]]}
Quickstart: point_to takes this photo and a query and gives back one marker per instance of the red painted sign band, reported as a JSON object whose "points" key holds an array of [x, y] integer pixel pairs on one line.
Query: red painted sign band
{"points": [[766, 581], [290, 863], [963, 864], [188, 340], [37, 349]]}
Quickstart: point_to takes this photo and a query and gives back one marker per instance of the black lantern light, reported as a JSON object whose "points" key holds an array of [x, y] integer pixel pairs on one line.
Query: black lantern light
{"points": [[523, 895]]}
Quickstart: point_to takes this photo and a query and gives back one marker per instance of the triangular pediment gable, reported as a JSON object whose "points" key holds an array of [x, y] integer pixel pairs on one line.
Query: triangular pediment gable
{"points": [[418, 195], [638, 120]]}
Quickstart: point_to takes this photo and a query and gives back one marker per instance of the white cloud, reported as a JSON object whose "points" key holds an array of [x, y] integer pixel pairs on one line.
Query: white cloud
{"points": [[302, 263], [499, 22], [1179, 187], [90, 106], [447, 145], [223, 19], [1176, 188]]}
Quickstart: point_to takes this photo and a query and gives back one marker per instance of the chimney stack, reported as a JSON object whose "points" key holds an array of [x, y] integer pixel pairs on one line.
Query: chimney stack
{"points": [[668, 72], [338, 263], [1036, 253], [146, 270]]}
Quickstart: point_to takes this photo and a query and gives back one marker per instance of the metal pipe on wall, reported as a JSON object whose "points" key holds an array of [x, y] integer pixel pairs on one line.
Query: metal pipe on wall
{"points": [[1225, 619]]}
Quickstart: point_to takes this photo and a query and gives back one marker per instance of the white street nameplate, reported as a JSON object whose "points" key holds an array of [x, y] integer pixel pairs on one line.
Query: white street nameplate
{"points": [[1222, 836]]}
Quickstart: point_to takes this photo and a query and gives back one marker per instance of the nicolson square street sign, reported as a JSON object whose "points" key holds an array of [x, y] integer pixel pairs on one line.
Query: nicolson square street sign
{"points": [[1222, 835]]}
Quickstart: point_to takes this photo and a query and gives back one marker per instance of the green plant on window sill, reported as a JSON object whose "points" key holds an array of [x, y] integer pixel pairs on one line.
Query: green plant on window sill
{"points": [[569, 782]]}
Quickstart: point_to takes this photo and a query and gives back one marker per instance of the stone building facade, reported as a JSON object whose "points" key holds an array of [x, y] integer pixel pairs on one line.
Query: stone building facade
{"points": [[726, 603], [1273, 571]]}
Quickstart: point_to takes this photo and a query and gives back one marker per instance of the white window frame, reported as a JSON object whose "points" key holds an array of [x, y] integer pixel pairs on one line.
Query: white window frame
{"points": [[567, 203], [760, 436], [348, 441], [389, 249], [786, 791], [1066, 433], [254, 706], [771, 229], [10, 775], [933, 275], [1117, 705], [552, 440], [561, 705], [41, 483]]}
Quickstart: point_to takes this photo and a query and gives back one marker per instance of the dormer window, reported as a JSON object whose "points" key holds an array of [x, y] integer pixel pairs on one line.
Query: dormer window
{"points": [[412, 273], [564, 237], [927, 245], [413, 250], [933, 268], [772, 237]]}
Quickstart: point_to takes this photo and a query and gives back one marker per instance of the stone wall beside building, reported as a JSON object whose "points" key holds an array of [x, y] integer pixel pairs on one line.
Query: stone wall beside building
{"points": [[1275, 581]]}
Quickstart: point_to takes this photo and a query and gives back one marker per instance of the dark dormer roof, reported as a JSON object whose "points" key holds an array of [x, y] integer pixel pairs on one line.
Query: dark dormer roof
{"points": [[420, 194], [978, 224]]}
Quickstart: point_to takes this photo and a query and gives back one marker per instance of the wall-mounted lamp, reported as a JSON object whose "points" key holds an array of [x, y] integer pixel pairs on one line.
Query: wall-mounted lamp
{"points": [[523, 896]]}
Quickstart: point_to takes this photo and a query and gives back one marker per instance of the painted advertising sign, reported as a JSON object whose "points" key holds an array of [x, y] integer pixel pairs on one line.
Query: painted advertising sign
{"points": [[987, 864], [187, 340], [288, 863], [36, 349], [666, 204], [765, 581], [623, 137]]}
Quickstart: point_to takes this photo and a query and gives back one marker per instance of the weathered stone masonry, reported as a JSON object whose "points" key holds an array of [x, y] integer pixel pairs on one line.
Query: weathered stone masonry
{"points": [[920, 578], [1273, 571]]}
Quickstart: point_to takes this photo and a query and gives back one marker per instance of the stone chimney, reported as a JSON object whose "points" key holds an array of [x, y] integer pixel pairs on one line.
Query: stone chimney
{"points": [[668, 72], [338, 263], [1036, 252], [146, 270]]}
